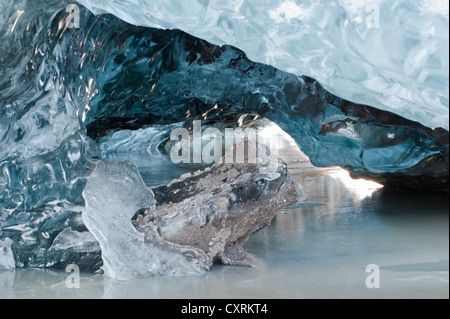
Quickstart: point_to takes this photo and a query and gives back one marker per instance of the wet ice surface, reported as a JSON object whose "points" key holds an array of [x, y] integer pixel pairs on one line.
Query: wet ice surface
{"points": [[373, 52], [319, 250]]}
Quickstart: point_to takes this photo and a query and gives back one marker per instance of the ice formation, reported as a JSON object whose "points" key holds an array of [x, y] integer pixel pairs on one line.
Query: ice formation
{"points": [[393, 55], [218, 209], [6, 255], [114, 193], [71, 95]]}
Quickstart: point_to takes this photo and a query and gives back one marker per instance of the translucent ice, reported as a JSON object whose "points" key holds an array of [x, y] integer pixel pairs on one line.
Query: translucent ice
{"points": [[393, 55], [6, 255], [114, 193], [40, 196], [79, 241], [70, 96]]}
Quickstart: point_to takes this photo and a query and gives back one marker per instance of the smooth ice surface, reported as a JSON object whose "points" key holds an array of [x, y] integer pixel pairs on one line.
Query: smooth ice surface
{"points": [[78, 241], [114, 193], [393, 55]]}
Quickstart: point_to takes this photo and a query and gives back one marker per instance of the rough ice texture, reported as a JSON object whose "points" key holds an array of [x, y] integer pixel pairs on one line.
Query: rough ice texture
{"points": [[217, 210], [114, 193], [40, 197], [393, 55]]}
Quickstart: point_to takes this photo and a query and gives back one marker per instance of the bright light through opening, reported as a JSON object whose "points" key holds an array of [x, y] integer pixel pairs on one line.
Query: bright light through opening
{"points": [[360, 187]]}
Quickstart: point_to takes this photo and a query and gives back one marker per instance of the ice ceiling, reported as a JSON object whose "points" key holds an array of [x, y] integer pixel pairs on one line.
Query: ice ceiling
{"points": [[365, 94], [393, 55]]}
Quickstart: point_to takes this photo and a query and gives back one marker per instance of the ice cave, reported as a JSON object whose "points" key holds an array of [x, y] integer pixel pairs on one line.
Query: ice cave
{"points": [[274, 148]]}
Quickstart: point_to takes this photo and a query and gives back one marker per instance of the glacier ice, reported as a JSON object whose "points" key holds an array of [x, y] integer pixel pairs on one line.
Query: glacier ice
{"points": [[149, 149], [114, 193], [41, 196], [70, 97], [218, 217], [76, 240], [6, 255], [393, 55]]}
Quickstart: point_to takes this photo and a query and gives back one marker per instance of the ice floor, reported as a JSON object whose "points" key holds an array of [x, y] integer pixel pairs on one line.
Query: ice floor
{"points": [[318, 250]]}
